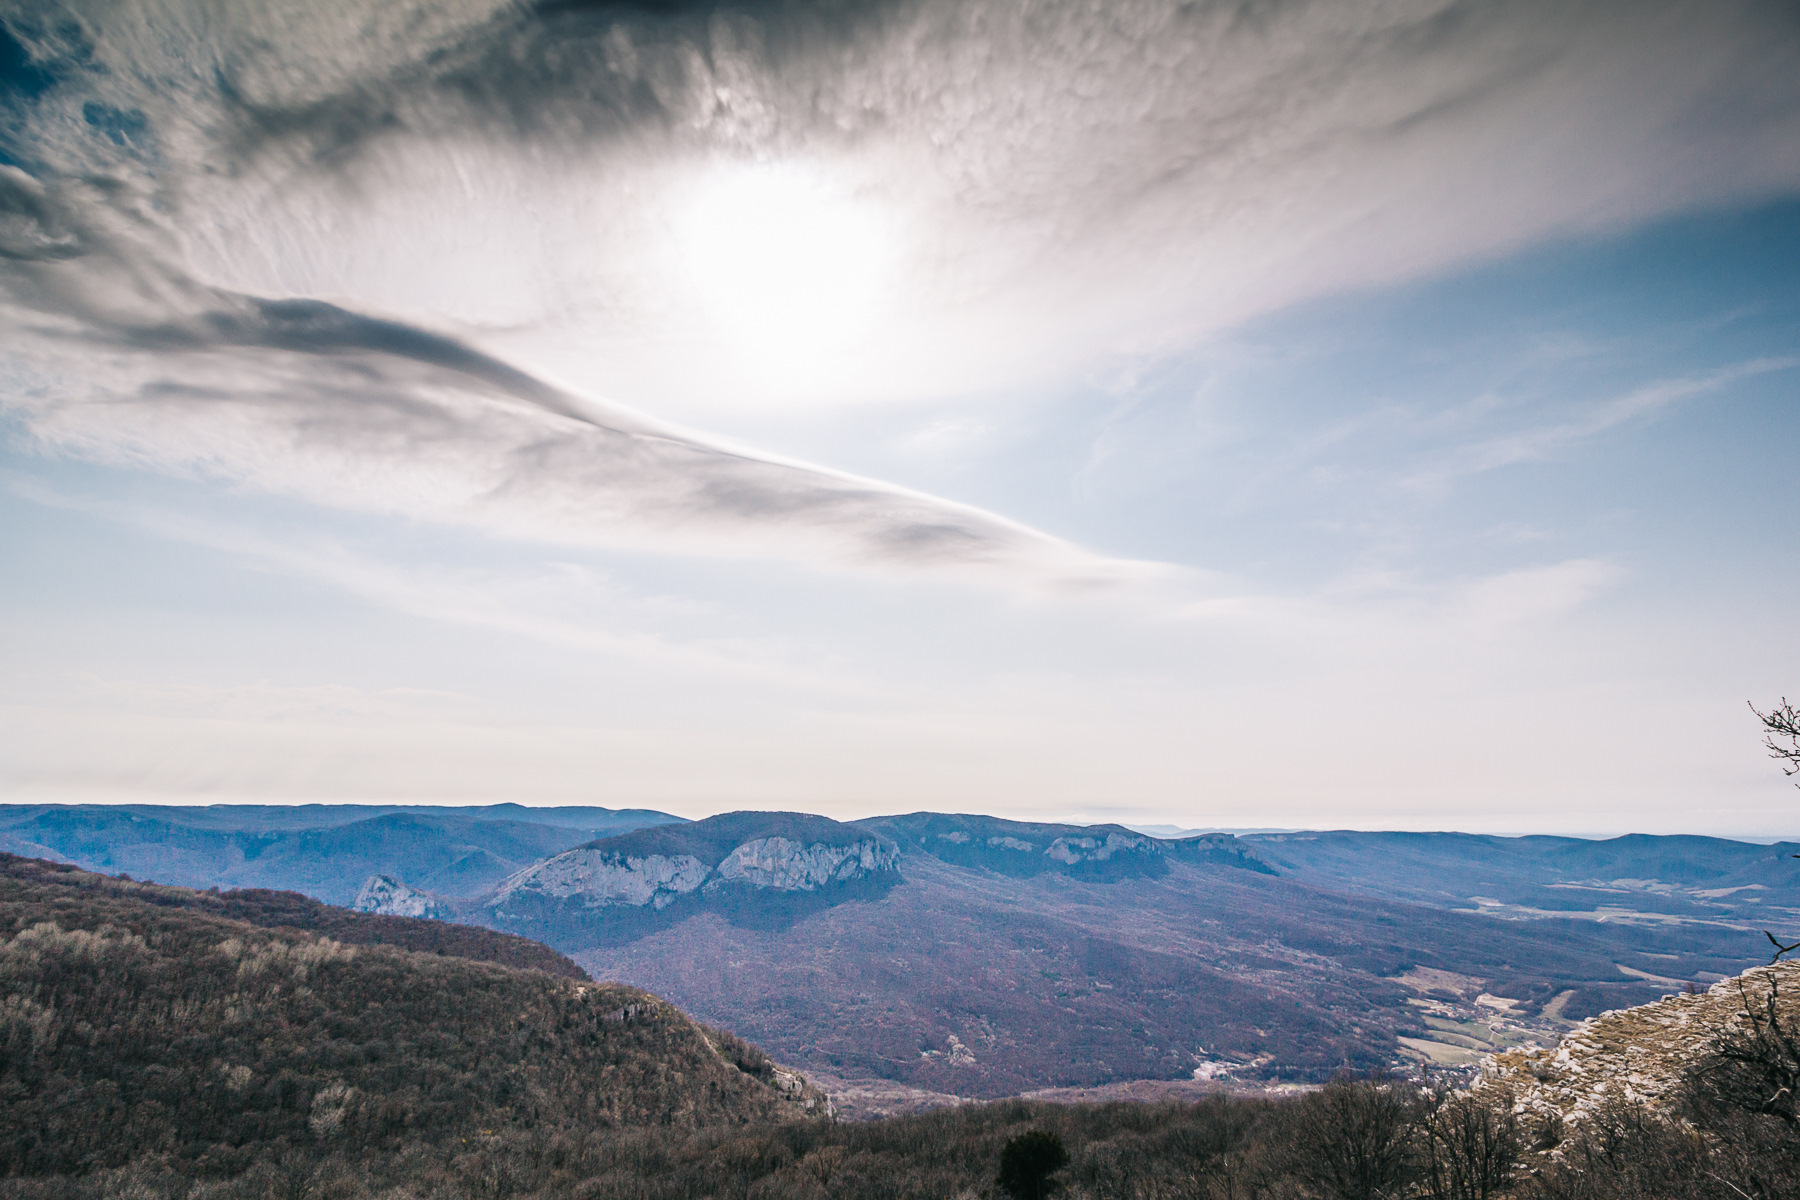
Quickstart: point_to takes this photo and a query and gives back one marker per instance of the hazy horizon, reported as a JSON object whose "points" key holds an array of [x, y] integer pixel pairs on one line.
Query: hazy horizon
{"points": [[1161, 831]]}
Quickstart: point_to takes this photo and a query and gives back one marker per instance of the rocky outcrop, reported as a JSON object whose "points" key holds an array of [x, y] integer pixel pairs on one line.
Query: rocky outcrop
{"points": [[597, 877], [1100, 853], [786, 865], [1634, 1054], [388, 896], [1066, 850], [1072, 850], [758, 853]]}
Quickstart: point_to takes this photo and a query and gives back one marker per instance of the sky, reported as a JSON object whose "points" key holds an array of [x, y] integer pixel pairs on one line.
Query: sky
{"points": [[1376, 414]]}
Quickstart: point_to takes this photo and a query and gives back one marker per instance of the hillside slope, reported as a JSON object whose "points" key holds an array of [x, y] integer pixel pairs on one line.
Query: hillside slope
{"points": [[1653, 880], [755, 868], [137, 1029], [290, 910], [1643, 1053], [979, 974], [325, 851]]}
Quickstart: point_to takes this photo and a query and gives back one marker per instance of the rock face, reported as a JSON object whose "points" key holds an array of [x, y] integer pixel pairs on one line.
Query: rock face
{"points": [[734, 862], [1072, 850], [388, 896], [786, 865], [600, 877], [1634, 1054], [1100, 853]]}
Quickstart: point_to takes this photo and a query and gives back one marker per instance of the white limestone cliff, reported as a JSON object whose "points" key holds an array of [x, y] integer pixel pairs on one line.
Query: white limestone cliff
{"points": [[604, 877], [601, 878], [1072, 850], [1634, 1054], [387, 896], [788, 866]]}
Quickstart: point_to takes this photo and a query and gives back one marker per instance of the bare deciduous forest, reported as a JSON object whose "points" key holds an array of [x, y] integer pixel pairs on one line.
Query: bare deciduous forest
{"points": [[150, 1047]]}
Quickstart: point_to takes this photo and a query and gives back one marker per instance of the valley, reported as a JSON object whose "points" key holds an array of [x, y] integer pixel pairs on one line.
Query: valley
{"points": [[1637, 878], [914, 960]]}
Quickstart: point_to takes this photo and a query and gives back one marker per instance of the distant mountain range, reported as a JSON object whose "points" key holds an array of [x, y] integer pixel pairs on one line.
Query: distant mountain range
{"points": [[1011, 956], [325, 851], [974, 956], [1638, 877]]}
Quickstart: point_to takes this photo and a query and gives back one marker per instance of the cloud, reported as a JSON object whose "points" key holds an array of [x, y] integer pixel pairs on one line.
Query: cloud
{"points": [[566, 605], [1062, 181], [1530, 594], [306, 398], [1543, 441], [429, 258]]}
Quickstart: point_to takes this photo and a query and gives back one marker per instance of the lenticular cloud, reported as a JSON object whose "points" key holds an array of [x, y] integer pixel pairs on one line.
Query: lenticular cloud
{"points": [[309, 399]]}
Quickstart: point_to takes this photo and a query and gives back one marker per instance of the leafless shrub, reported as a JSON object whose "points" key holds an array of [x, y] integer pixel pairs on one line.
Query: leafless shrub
{"points": [[1753, 1064], [1469, 1144], [1628, 1152], [1354, 1139]]}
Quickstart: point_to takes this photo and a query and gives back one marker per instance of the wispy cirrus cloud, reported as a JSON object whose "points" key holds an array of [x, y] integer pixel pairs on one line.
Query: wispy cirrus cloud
{"points": [[1545, 439]]}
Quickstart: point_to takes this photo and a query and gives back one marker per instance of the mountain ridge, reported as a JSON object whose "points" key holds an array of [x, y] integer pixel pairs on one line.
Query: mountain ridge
{"points": [[325, 852], [992, 956]]}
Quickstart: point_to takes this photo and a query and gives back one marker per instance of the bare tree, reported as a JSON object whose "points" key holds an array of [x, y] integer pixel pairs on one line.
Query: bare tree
{"points": [[1742, 1093], [1754, 1064], [1471, 1144], [1628, 1151], [1781, 725], [1353, 1140], [1781, 734]]}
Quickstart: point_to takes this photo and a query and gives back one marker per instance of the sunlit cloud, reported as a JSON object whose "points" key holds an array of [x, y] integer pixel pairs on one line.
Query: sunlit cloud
{"points": [[311, 400], [604, 213]]}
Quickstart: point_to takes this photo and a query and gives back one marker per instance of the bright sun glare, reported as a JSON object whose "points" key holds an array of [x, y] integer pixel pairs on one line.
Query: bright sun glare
{"points": [[790, 266]]}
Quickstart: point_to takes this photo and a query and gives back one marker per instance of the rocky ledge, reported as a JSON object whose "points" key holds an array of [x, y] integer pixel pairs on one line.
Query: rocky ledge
{"points": [[1635, 1054]]}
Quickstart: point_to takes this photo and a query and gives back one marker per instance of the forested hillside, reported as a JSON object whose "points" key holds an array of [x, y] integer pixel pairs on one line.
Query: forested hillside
{"points": [[151, 1047], [272, 910], [136, 1030]]}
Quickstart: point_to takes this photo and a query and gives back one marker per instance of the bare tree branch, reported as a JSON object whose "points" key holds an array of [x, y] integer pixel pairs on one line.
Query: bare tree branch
{"points": [[1782, 722]]}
